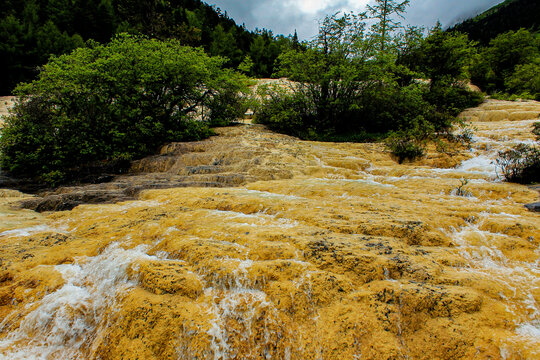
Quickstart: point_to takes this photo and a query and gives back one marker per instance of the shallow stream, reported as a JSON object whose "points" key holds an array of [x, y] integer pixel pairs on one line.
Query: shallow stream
{"points": [[354, 257]]}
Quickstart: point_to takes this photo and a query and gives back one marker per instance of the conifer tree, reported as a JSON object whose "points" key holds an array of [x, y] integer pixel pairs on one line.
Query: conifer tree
{"points": [[384, 10], [295, 42]]}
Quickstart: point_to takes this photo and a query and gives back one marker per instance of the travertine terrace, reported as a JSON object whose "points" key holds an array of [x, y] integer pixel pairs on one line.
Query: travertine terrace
{"points": [[302, 250], [5, 103]]}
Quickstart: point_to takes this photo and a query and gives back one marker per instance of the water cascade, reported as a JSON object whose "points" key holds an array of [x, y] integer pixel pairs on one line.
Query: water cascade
{"points": [[339, 253]]}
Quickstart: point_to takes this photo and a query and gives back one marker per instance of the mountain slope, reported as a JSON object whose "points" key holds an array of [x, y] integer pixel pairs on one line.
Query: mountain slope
{"points": [[32, 30], [509, 15]]}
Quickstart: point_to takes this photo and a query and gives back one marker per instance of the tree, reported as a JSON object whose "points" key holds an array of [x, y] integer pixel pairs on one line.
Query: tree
{"points": [[295, 44], [246, 66], [50, 41], [111, 103], [12, 43], [383, 11], [25, 26], [264, 51], [329, 71], [224, 44], [498, 62], [525, 81], [444, 57], [348, 88]]}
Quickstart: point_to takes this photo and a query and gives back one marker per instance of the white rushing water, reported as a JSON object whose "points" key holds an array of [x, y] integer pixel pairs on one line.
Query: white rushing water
{"points": [[68, 319], [67, 322], [480, 247], [26, 231]]}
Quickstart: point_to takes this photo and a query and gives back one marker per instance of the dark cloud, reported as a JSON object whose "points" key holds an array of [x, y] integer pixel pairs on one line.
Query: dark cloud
{"points": [[280, 16], [284, 16], [427, 12]]}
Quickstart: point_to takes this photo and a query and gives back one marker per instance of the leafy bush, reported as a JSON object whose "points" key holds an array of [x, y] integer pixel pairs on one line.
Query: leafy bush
{"points": [[112, 103], [512, 97], [410, 144], [526, 80], [536, 130], [285, 112], [228, 102], [453, 99], [405, 147], [349, 86], [520, 164], [509, 64]]}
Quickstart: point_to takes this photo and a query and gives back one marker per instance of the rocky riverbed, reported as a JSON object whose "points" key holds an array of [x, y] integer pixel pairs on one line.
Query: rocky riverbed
{"points": [[257, 245]]}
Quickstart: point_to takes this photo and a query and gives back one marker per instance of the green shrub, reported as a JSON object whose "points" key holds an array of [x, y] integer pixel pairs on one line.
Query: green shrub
{"points": [[112, 103], [285, 112], [510, 64], [410, 144], [536, 130], [349, 89], [520, 164], [453, 99], [229, 103], [405, 147], [514, 97], [525, 80]]}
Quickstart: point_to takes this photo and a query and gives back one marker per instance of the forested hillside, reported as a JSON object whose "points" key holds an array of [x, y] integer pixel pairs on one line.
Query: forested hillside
{"points": [[32, 30], [509, 15]]}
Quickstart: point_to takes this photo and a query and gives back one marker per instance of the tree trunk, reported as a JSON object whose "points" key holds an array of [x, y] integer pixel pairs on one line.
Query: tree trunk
{"points": [[383, 33]]}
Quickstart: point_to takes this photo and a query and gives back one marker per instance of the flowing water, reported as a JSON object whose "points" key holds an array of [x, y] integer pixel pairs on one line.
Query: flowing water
{"points": [[345, 255]]}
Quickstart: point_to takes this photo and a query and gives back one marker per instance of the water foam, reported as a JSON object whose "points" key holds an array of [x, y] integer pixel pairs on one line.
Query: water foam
{"points": [[65, 321]]}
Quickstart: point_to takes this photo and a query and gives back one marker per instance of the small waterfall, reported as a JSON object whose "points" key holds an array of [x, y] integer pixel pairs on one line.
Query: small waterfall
{"points": [[354, 257], [68, 319]]}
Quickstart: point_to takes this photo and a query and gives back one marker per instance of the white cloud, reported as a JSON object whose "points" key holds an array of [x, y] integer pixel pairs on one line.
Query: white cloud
{"points": [[309, 6], [284, 16]]}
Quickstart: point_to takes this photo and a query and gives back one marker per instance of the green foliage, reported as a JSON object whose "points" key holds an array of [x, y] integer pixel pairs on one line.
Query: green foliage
{"points": [[507, 53], [31, 31], [348, 88], [113, 103], [510, 15], [536, 130], [246, 66], [285, 111], [50, 41], [224, 44], [525, 80], [449, 101], [228, 101], [409, 144], [520, 164], [12, 35], [383, 11], [443, 57]]}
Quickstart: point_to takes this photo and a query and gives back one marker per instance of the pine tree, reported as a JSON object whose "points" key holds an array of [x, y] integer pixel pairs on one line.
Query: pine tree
{"points": [[295, 42], [383, 10]]}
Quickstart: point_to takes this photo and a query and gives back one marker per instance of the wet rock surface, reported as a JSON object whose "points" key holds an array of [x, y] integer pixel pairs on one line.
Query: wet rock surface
{"points": [[305, 250], [533, 206], [238, 155]]}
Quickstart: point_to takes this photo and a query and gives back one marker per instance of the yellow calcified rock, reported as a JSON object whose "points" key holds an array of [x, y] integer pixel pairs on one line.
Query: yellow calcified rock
{"points": [[12, 217], [341, 253], [6, 102], [497, 110]]}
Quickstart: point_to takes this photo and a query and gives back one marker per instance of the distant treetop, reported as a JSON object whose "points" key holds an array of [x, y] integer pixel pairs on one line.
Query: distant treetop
{"points": [[509, 15], [33, 30]]}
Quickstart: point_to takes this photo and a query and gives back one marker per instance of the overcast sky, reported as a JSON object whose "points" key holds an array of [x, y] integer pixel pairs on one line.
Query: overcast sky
{"points": [[284, 16]]}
